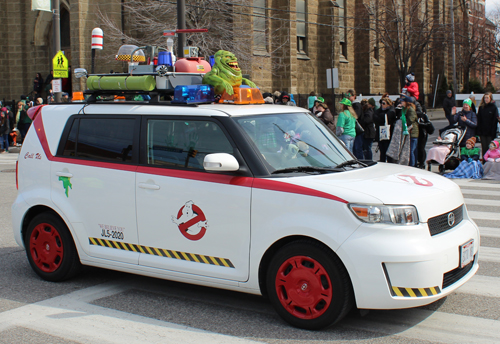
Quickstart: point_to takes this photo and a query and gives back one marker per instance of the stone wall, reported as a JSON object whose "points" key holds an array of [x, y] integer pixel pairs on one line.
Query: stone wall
{"points": [[27, 47]]}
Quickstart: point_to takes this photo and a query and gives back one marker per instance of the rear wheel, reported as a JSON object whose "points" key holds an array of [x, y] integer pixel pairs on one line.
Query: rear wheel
{"points": [[50, 248], [308, 285]]}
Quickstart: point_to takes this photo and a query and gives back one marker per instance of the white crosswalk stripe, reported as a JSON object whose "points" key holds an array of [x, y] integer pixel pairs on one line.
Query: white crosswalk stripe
{"points": [[490, 232], [484, 215], [481, 192], [489, 254], [487, 202]]}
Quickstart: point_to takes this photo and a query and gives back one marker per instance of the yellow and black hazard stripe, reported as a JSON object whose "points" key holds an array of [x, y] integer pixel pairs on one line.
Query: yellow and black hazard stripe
{"points": [[190, 257], [415, 292], [137, 58]]}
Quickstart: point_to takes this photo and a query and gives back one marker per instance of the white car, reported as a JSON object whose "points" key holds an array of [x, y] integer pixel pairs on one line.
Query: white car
{"points": [[262, 199]]}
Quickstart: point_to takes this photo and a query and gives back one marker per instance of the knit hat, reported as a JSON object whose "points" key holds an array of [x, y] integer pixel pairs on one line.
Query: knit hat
{"points": [[407, 99], [346, 102], [277, 93], [449, 92], [471, 141], [268, 100], [321, 99], [371, 101], [411, 77], [468, 101]]}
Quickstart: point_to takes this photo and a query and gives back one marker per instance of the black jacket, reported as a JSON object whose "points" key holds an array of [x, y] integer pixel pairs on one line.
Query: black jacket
{"points": [[4, 123], [487, 119], [379, 119], [366, 121], [448, 104]]}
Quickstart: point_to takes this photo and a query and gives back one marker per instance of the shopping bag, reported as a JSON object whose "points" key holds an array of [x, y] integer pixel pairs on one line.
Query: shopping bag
{"points": [[385, 131]]}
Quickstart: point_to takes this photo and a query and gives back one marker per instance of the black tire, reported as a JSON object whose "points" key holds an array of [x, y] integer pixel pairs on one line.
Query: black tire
{"points": [[308, 285], [50, 248]]}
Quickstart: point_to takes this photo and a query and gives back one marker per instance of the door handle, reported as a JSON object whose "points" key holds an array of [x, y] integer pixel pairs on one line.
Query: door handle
{"points": [[149, 186], [64, 174]]}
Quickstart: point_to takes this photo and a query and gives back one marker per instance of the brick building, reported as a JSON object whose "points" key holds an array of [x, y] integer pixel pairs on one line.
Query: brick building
{"points": [[293, 42]]}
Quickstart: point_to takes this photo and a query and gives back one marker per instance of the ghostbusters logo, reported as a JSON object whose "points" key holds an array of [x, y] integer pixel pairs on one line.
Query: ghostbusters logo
{"points": [[414, 180], [191, 221]]}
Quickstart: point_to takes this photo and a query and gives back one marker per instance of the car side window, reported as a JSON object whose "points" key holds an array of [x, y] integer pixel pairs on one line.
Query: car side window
{"points": [[184, 143], [105, 139]]}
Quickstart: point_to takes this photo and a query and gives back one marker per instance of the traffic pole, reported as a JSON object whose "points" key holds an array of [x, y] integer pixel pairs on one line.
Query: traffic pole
{"points": [[181, 24], [56, 25]]}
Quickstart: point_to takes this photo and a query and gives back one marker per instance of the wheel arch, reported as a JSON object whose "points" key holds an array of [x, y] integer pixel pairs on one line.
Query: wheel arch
{"points": [[275, 247], [32, 213]]}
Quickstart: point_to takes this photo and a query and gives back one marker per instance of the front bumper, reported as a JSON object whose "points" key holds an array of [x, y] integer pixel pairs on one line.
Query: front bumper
{"points": [[401, 267]]}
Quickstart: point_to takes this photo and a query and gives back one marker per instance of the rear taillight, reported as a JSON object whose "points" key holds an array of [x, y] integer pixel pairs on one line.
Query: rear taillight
{"points": [[17, 183]]}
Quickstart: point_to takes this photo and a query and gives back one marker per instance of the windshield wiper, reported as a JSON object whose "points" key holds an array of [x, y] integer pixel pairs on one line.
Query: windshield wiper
{"points": [[350, 162], [306, 169]]}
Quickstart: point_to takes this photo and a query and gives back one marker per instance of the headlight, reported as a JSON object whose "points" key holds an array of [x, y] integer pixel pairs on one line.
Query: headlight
{"points": [[392, 214]]}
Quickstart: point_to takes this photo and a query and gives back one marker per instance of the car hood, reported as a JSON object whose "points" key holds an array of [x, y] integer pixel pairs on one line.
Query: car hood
{"points": [[393, 184]]}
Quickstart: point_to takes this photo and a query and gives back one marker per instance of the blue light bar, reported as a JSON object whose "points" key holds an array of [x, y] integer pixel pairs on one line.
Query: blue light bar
{"points": [[192, 94]]}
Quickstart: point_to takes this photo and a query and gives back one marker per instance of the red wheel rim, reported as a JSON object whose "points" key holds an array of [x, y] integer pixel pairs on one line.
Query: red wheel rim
{"points": [[303, 287], [46, 247]]}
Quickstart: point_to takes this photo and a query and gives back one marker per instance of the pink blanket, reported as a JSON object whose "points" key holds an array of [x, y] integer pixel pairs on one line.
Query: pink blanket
{"points": [[438, 153]]}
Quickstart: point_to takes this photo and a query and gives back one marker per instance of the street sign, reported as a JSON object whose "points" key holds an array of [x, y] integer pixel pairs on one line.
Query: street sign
{"points": [[60, 65], [332, 78], [56, 85]]}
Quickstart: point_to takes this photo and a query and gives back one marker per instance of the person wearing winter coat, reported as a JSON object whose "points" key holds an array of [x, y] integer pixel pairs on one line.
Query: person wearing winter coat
{"points": [[4, 130], [38, 84], [324, 114], [448, 104], [410, 114], [425, 128], [466, 119], [366, 121], [492, 162], [487, 120], [379, 118], [357, 148], [346, 124], [411, 86]]}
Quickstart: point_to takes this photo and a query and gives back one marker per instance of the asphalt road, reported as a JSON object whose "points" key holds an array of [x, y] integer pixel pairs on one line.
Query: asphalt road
{"points": [[101, 306]]}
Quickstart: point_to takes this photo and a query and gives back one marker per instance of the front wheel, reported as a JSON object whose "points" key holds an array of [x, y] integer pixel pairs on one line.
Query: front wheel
{"points": [[50, 248], [308, 285]]}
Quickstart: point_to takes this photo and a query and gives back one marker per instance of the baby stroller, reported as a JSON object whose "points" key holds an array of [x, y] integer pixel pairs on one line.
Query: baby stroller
{"points": [[446, 152]]}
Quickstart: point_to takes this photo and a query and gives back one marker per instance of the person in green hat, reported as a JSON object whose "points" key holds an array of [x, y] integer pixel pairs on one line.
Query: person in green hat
{"points": [[466, 119], [346, 124]]}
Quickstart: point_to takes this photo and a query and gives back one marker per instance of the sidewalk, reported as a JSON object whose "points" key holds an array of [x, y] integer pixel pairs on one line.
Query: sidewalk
{"points": [[435, 114]]}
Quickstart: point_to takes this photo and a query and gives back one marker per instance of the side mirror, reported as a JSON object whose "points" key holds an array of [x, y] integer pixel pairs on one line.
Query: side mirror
{"points": [[79, 72], [221, 162]]}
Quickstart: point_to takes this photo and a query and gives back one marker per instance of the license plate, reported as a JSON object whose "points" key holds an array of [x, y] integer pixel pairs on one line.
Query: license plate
{"points": [[466, 253]]}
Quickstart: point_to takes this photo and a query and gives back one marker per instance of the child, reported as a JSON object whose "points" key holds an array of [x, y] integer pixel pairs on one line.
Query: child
{"points": [[493, 154], [492, 162], [470, 152]]}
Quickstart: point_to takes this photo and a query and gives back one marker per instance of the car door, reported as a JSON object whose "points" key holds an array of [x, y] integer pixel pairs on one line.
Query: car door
{"points": [[93, 183], [190, 220]]}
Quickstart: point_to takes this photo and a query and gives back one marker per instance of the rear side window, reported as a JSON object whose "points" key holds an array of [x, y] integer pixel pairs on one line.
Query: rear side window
{"points": [[105, 139]]}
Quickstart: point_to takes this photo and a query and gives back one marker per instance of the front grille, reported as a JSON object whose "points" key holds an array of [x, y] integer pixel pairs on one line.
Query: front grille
{"points": [[454, 276], [439, 224]]}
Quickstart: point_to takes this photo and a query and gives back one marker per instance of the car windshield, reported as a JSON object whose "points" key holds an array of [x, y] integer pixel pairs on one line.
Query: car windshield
{"points": [[294, 141]]}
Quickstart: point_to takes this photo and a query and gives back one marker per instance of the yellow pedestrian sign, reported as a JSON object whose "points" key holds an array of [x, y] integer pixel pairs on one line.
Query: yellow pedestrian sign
{"points": [[60, 65]]}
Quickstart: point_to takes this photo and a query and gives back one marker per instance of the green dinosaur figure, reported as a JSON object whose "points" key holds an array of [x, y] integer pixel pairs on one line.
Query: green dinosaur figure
{"points": [[66, 184], [225, 73]]}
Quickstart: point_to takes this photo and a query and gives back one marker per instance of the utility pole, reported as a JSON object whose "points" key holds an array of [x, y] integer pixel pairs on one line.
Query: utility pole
{"points": [[56, 20], [453, 61], [181, 24]]}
